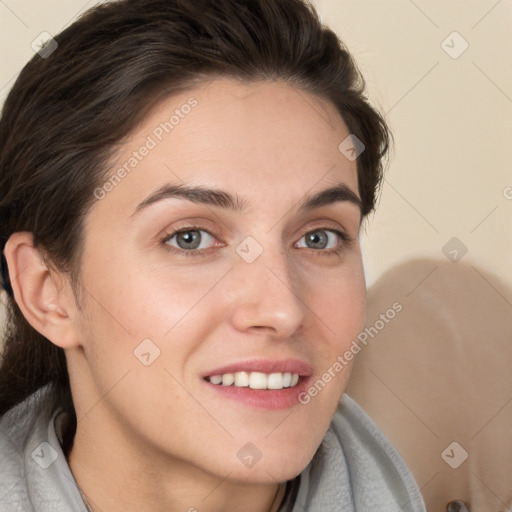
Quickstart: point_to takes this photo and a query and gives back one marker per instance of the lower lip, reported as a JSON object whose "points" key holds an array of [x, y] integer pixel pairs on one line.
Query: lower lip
{"points": [[263, 398]]}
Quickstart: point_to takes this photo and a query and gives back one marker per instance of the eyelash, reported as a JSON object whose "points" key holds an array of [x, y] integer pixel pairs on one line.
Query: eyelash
{"points": [[345, 240]]}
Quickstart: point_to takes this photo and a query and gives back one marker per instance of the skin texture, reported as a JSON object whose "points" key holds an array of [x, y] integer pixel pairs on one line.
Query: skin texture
{"points": [[155, 437]]}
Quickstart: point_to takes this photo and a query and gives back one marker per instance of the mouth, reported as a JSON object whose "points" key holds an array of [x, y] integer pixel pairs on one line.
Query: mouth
{"points": [[261, 383]]}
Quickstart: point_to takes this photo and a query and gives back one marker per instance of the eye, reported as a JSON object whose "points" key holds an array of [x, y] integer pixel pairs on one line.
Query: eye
{"points": [[323, 239], [190, 239]]}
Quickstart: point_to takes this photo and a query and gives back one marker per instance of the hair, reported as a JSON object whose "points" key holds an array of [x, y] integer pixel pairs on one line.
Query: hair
{"points": [[73, 105]]}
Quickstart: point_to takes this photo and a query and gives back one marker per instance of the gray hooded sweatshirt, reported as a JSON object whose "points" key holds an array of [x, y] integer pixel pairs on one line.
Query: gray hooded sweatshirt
{"points": [[355, 468]]}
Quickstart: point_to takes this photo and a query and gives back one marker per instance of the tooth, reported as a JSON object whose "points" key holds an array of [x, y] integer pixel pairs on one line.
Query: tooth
{"points": [[257, 380], [228, 379], [275, 381], [241, 379]]}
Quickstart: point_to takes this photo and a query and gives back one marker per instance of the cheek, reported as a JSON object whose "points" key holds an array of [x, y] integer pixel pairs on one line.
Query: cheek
{"points": [[151, 315], [147, 300], [347, 308], [339, 302]]}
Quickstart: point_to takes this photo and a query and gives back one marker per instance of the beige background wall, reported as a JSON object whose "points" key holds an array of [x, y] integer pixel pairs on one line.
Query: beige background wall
{"points": [[452, 120], [440, 241], [437, 378]]}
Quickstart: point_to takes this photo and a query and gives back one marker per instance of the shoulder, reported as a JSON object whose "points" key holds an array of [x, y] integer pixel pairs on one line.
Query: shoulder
{"points": [[359, 435], [368, 450], [16, 430], [34, 474]]}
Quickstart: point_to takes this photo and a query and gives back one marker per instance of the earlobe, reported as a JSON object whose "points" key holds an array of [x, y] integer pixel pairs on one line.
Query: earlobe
{"points": [[40, 292]]}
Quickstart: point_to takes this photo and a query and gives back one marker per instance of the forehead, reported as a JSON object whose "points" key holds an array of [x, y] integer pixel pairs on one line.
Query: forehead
{"points": [[261, 139]]}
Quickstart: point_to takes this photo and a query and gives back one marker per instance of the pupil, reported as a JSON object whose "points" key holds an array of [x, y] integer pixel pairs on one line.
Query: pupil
{"points": [[189, 239], [319, 238]]}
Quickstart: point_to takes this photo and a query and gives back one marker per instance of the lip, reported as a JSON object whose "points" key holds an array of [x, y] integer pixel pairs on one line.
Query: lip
{"points": [[270, 399]]}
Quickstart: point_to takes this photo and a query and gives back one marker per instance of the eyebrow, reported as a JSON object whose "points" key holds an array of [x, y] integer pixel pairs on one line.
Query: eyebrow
{"points": [[223, 199]]}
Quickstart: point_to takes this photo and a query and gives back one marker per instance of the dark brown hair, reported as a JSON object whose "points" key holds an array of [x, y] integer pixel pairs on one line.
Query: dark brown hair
{"points": [[71, 108]]}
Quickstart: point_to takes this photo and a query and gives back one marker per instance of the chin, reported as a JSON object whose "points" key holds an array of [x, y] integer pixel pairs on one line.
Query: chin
{"points": [[270, 464], [268, 473]]}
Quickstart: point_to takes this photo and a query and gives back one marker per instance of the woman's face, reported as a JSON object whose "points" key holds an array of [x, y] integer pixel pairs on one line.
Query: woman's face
{"points": [[260, 287]]}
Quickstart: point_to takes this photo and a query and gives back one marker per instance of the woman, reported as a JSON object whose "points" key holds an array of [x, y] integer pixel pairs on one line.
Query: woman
{"points": [[183, 185]]}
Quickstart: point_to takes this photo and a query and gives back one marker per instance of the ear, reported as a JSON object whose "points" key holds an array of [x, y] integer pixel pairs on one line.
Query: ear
{"points": [[43, 295]]}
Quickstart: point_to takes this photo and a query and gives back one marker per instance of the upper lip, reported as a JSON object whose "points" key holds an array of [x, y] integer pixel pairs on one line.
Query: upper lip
{"points": [[264, 366]]}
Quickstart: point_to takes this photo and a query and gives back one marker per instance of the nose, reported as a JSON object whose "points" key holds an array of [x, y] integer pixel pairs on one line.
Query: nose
{"points": [[266, 295]]}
